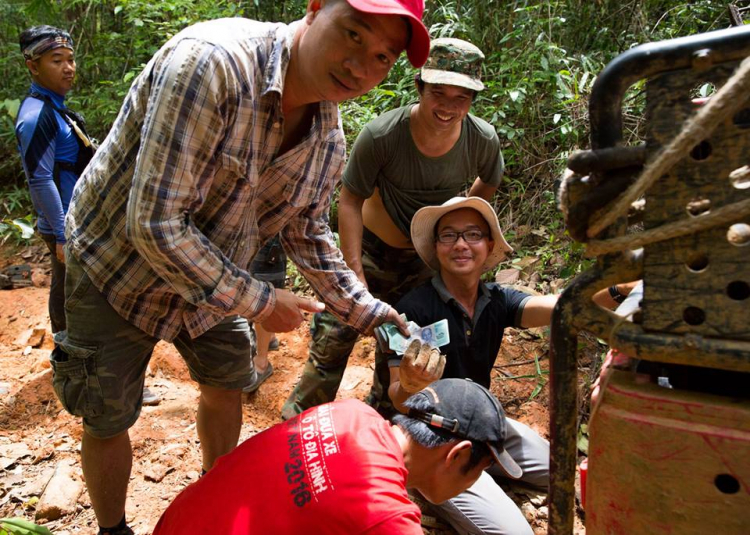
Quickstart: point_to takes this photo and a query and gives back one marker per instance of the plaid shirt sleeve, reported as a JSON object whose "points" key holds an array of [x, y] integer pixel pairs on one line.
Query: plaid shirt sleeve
{"points": [[193, 99], [310, 243]]}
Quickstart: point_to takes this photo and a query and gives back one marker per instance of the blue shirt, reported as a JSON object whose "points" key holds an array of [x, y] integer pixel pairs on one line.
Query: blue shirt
{"points": [[43, 139]]}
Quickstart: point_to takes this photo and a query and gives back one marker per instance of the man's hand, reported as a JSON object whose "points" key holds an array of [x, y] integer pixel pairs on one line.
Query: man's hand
{"points": [[287, 314], [60, 252], [422, 365], [614, 359], [395, 317]]}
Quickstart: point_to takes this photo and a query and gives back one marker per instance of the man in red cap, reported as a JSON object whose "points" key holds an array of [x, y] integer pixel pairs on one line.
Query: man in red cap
{"points": [[230, 135]]}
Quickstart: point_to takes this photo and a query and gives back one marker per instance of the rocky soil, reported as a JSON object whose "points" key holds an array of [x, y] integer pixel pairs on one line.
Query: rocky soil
{"points": [[40, 474]]}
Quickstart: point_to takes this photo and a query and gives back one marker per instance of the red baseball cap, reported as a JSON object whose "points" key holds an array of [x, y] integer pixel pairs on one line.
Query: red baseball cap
{"points": [[419, 46]]}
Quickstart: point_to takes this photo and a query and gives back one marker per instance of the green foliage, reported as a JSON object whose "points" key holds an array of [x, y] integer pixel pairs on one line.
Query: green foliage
{"points": [[114, 40], [15, 201], [539, 374], [23, 226], [10, 163], [19, 526], [583, 439], [16, 219], [542, 59], [295, 281]]}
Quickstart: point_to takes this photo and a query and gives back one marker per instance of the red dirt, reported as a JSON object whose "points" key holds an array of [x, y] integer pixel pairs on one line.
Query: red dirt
{"points": [[164, 439]]}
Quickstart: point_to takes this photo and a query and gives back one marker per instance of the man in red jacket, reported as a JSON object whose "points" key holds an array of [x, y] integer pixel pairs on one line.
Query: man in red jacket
{"points": [[340, 468]]}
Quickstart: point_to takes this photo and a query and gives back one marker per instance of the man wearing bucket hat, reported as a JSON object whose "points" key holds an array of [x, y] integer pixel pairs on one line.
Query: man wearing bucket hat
{"points": [[461, 240], [230, 135], [340, 468], [415, 156]]}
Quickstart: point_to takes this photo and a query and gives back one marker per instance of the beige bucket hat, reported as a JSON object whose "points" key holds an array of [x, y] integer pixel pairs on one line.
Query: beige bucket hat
{"points": [[423, 230]]}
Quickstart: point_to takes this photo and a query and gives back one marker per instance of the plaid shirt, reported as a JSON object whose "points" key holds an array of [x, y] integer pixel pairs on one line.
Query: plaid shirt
{"points": [[188, 185]]}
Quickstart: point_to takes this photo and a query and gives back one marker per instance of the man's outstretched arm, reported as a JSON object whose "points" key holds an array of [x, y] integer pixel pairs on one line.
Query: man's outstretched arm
{"points": [[538, 310], [482, 189]]}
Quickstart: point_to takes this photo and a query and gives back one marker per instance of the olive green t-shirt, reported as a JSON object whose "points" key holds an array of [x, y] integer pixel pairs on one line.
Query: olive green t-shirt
{"points": [[385, 156]]}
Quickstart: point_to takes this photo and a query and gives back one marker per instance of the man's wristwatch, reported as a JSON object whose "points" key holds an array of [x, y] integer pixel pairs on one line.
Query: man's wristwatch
{"points": [[615, 294]]}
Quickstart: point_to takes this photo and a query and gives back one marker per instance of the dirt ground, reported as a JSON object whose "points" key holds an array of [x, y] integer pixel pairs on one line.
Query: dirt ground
{"points": [[37, 435]]}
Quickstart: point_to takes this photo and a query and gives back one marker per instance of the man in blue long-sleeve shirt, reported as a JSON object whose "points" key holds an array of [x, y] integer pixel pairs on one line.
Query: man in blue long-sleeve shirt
{"points": [[54, 149]]}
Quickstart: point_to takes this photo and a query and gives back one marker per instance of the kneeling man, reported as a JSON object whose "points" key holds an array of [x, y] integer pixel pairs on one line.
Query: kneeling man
{"points": [[340, 468], [462, 240]]}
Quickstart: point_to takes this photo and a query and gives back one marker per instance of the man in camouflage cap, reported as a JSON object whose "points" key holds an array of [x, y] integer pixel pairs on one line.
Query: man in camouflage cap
{"points": [[419, 155]]}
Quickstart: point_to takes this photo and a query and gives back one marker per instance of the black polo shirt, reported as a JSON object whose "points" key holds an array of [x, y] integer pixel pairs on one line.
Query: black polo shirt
{"points": [[475, 342]]}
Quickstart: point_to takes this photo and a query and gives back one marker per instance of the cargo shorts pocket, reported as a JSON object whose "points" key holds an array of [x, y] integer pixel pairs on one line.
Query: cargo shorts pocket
{"points": [[75, 380], [80, 286]]}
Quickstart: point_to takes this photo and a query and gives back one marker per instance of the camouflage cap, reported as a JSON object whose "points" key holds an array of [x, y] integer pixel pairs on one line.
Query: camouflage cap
{"points": [[454, 62]]}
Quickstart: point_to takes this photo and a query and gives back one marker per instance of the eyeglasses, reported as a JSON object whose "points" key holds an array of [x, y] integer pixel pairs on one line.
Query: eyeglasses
{"points": [[469, 236]]}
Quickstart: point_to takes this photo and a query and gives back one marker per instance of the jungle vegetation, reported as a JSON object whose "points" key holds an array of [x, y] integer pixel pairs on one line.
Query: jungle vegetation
{"points": [[542, 59]]}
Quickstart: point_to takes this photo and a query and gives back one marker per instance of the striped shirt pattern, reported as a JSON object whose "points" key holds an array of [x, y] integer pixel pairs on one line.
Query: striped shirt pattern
{"points": [[187, 186]]}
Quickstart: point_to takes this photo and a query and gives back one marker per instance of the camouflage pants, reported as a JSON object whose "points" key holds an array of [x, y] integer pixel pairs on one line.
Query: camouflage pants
{"points": [[390, 274]]}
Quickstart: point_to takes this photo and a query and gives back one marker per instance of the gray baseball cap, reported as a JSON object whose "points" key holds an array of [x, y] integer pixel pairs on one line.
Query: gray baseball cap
{"points": [[468, 410]]}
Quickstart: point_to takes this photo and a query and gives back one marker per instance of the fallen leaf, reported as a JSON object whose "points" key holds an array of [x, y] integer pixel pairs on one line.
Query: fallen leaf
{"points": [[352, 385], [11, 453], [507, 276]]}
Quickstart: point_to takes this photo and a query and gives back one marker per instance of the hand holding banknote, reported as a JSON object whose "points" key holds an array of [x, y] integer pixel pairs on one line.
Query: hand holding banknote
{"points": [[390, 339], [422, 365]]}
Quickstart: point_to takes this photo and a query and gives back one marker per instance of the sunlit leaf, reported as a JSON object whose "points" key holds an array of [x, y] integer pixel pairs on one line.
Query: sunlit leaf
{"points": [[583, 441], [27, 231], [537, 389], [706, 90], [11, 106], [584, 79], [20, 526]]}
